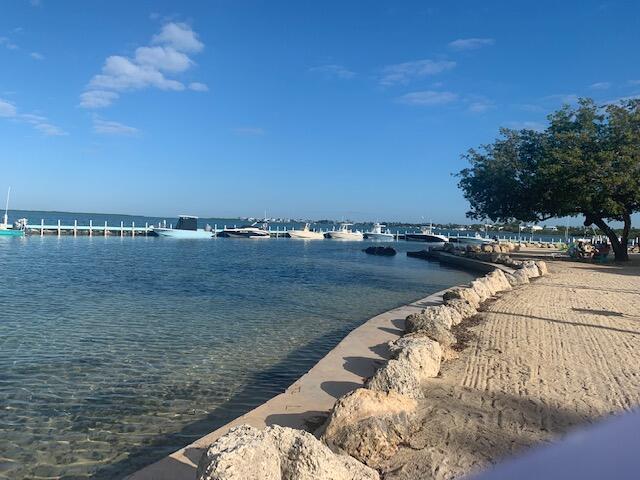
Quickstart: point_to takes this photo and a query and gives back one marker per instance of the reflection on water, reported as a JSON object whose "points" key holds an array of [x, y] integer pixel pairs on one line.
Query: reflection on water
{"points": [[117, 351]]}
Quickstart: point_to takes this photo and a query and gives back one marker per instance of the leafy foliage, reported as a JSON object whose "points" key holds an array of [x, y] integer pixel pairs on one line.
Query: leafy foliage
{"points": [[587, 162]]}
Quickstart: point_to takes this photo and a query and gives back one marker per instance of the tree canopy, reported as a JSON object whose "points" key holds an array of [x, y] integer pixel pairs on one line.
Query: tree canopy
{"points": [[586, 162]]}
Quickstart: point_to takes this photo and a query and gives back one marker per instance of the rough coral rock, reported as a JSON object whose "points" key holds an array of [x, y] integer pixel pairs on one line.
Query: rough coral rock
{"points": [[369, 425], [519, 277], [464, 307], [417, 358], [481, 289], [542, 267], [434, 329], [499, 281], [530, 268], [464, 293], [439, 313], [277, 453]]}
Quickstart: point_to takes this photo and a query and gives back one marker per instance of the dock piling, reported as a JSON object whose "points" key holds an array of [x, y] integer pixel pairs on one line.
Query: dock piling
{"points": [[91, 228], [75, 228]]}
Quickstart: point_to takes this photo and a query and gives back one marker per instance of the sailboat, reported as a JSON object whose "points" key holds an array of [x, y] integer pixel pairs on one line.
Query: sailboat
{"points": [[5, 228]]}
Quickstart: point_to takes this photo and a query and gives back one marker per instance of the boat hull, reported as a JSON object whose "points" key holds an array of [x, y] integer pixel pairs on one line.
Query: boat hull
{"points": [[379, 237], [176, 233], [349, 236], [426, 238], [471, 241], [306, 235], [11, 233], [245, 234]]}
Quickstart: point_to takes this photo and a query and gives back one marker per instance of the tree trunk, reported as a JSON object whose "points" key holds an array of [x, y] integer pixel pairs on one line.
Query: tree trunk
{"points": [[619, 245]]}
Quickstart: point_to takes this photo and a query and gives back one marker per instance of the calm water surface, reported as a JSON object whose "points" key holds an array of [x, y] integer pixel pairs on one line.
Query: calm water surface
{"points": [[116, 351]]}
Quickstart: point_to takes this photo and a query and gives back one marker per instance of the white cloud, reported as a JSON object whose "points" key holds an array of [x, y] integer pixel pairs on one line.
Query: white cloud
{"points": [[180, 36], [634, 82], [198, 87], [149, 67], [36, 56], [334, 71], [40, 123], [249, 131], [428, 98], [108, 127], [50, 130], [471, 43], [7, 109], [163, 58], [600, 86], [120, 73], [403, 73], [97, 98], [480, 106]]}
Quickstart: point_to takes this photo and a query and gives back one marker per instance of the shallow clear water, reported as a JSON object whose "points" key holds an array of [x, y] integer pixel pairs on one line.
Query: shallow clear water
{"points": [[116, 351]]}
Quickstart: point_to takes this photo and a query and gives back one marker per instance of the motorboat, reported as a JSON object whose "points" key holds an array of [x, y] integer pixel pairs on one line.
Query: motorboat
{"points": [[477, 239], [426, 235], [252, 231], [306, 233], [345, 233], [187, 227], [16, 230], [379, 233]]}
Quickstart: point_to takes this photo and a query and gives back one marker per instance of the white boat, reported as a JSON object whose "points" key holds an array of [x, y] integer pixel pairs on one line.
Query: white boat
{"points": [[251, 231], [187, 227], [426, 235], [379, 234], [306, 234], [7, 230], [345, 233], [469, 240]]}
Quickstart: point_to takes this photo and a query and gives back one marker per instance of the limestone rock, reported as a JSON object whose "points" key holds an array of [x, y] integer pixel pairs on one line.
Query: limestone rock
{"points": [[430, 327], [464, 293], [369, 425], [530, 268], [519, 277], [464, 308], [542, 267], [498, 281], [481, 289], [443, 314], [277, 453], [417, 358]]}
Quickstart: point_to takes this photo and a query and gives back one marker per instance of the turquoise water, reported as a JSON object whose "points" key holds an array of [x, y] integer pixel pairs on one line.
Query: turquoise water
{"points": [[116, 351]]}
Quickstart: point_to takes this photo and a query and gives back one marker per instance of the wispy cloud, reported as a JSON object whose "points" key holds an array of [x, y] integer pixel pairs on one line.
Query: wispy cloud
{"points": [[428, 98], [36, 56], [634, 82], [480, 106], [109, 127], [8, 44], [333, 71], [471, 43], [249, 131], [600, 86], [198, 87], [403, 73], [149, 67], [97, 98], [526, 125], [9, 111]]}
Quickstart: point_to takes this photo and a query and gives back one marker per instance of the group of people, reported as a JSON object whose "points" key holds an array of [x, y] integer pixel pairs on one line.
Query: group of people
{"points": [[586, 250]]}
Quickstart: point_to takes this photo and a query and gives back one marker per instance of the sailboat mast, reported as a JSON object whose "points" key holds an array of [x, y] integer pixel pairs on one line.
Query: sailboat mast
{"points": [[6, 208]]}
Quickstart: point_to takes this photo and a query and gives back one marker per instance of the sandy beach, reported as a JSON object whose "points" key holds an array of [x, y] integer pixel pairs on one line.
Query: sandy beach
{"points": [[544, 358]]}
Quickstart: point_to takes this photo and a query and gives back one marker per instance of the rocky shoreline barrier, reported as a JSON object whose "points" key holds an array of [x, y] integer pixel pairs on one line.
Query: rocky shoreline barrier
{"points": [[367, 425]]}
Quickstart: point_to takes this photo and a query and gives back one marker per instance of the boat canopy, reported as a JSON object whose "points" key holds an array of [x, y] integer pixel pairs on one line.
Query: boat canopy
{"points": [[187, 223]]}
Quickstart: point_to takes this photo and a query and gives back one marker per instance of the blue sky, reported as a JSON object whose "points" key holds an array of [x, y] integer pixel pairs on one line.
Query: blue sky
{"points": [[306, 109]]}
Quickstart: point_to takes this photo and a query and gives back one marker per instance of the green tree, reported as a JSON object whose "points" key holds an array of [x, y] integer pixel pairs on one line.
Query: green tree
{"points": [[586, 162]]}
